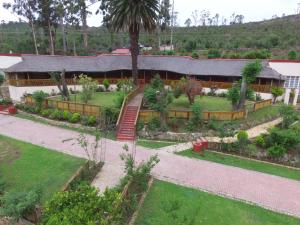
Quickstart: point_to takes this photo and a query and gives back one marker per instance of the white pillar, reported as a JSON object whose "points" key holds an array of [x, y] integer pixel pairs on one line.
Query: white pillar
{"points": [[287, 96], [296, 97]]}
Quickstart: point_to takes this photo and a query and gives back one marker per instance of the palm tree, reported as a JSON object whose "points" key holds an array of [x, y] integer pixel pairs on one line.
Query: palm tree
{"points": [[132, 16]]}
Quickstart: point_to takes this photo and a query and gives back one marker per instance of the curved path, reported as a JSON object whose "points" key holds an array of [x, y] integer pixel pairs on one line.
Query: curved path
{"points": [[276, 193]]}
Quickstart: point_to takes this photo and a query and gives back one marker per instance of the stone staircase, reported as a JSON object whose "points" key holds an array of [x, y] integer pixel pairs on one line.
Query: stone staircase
{"points": [[127, 127]]}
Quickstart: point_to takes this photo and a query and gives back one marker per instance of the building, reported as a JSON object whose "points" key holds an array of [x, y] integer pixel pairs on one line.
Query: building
{"points": [[33, 72], [291, 73], [6, 61]]}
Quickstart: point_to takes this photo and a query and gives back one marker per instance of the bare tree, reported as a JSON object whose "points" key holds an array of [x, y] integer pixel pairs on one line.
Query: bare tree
{"points": [[188, 22], [195, 17]]}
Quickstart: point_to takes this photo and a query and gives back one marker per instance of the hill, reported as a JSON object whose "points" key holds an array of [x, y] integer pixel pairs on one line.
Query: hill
{"points": [[278, 36]]}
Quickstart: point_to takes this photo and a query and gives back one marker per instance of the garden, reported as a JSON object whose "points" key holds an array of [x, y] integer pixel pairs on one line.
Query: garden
{"points": [[170, 204]]}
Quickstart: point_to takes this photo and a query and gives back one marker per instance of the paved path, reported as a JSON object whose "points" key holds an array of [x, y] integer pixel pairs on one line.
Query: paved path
{"points": [[276, 193]]}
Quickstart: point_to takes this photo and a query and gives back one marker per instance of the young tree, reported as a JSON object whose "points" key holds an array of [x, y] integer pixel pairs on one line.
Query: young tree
{"points": [[188, 22], [89, 87], [249, 73], [276, 92], [190, 87], [60, 80], [26, 9], [131, 16]]}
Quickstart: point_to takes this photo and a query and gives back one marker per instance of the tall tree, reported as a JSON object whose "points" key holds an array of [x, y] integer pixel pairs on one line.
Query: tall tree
{"points": [[188, 22], [249, 73], [164, 17], [132, 16], [26, 9]]}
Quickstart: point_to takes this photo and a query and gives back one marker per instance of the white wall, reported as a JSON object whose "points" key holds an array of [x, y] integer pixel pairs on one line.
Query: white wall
{"points": [[286, 68], [16, 93]]}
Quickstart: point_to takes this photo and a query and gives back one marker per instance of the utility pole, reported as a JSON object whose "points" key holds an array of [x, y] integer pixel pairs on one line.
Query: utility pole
{"points": [[172, 25]]}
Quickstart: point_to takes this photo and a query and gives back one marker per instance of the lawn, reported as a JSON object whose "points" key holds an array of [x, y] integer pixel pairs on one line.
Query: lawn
{"points": [[208, 103], [105, 99], [154, 144], [25, 166], [245, 164], [170, 204]]}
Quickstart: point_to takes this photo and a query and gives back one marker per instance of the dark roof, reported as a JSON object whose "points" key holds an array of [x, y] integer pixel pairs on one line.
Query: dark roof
{"points": [[105, 63]]}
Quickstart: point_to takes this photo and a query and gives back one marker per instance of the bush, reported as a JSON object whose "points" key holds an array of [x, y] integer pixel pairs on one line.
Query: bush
{"points": [[276, 151], [39, 98], [92, 120], [140, 125], [56, 115], [83, 206], [260, 141], [289, 115], [252, 150], [196, 119], [177, 92], [46, 112], [195, 55], [17, 205], [214, 53], [66, 115], [2, 187], [292, 55], [154, 124], [119, 100], [75, 118], [106, 84], [288, 138], [242, 137]]}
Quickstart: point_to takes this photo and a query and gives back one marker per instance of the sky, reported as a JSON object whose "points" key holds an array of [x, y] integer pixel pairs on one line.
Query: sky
{"points": [[253, 10]]}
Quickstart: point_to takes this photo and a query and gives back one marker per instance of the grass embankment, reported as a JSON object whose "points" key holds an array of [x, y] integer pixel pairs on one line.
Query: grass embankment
{"points": [[244, 163], [24, 166], [170, 204]]}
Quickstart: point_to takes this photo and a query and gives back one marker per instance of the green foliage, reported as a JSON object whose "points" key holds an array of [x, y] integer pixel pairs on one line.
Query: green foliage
{"points": [[251, 70], [292, 55], [260, 141], [242, 138], [195, 55], [263, 54], [214, 53], [119, 100], [289, 115], [89, 87], [2, 187], [276, 151], [154, 124], [177, 92], [83, 206], [66, 115], [75, 118], [46, 112], [276, 92], [39, 98], [233, 95], [288, 138], [106, 84], [125, 85], [157, 83], [196, 119], [17, 205], [56, 115]]}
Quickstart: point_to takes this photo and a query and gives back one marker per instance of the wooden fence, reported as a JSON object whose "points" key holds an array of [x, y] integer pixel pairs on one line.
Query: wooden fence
{"points": [[83, 109], [146, 115]]}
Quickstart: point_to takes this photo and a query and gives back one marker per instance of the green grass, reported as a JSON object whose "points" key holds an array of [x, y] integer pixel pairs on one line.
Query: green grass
{"points": [[170, 204], [105, 99], [208, 103], [245, 164], [25, 166], [154, 144]]}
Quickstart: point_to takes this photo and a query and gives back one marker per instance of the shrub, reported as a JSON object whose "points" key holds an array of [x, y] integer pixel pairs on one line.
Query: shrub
{"points": [[289, 115], [276, 151], [287, 138], [39, 98], [242, 137], [276, 92], [17, 205], [2, 187], [260, 141], [46, 112], [252, 150], [177, 92], [110, 115], [92, 120], [292, 55], [66, 115], [106, 84], [195, 55], [74, 118], [196, 119], [88, 87], [140, 125], [154, 124], [214, 53], [119, 100], [56, 115]]}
